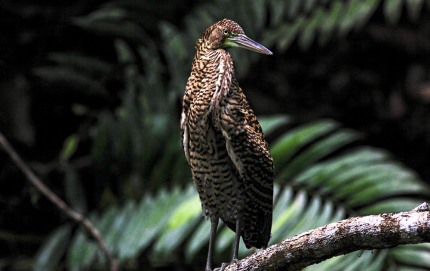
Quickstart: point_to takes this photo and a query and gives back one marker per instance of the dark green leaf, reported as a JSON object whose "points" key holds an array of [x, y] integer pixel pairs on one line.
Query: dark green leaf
{"points": [[75, 193], [52, 250], [393, 10]]}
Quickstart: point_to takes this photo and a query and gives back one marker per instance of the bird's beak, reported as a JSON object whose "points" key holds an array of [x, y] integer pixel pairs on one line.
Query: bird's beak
{"points": [[243, 41]]}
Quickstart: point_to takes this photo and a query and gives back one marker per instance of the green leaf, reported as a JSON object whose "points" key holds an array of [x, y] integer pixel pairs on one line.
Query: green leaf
{"points": [[70, 146], [290, 32], [188, 210], [271, 123], [317, 151], [414, 8], [52, 250], [397, 204], [392, 10], [283, 224], [364, 11], [349, 17], [310, 30], [74, 191], [310, 5], [277, 9], [81, 252], [293, 7], [178, 227], [416, 255], [289, 144], [198, 240], [330, 22]]}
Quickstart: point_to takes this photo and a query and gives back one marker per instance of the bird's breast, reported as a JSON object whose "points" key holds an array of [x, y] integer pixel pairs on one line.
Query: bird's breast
{"points": [[213, 172]]}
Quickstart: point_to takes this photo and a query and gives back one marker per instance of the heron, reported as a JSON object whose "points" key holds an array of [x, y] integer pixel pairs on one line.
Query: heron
{"points": [[223, 142]]}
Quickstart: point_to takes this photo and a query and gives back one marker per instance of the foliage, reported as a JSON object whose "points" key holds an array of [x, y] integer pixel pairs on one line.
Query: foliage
{"points": [[136, 154], [319, 180], [325, 19], [148, 113]]}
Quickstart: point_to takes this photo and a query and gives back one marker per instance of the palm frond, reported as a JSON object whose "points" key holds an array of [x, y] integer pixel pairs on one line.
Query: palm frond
{"points": [[321, 180]]}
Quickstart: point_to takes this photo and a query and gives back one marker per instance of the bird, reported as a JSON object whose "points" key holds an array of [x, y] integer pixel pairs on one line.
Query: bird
{"points": [[224, 145]]}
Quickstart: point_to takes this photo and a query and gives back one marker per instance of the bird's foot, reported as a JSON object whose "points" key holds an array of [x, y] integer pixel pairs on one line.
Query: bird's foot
{"points": [[224, 265]]}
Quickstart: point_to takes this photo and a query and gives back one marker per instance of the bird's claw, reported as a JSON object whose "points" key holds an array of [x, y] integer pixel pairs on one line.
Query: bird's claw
{"points": [[223, 266]]}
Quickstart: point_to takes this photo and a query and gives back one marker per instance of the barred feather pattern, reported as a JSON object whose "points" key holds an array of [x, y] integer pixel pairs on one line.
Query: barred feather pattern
{"points": [[223, 142]]}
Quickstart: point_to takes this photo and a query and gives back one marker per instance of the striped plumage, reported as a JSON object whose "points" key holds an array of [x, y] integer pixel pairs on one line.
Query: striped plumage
{"points": [[223, 142]]}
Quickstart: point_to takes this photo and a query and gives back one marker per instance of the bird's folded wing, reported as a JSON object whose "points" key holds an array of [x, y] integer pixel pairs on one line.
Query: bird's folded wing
{"points": [[248, 150]]}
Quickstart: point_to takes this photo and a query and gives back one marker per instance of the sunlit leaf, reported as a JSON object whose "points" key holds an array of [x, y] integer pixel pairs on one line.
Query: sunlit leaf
{"points": [[269, 124]]}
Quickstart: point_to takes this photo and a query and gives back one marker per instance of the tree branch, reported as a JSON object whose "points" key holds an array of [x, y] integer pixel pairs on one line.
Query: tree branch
{"points": [[345, 236], [76, 216]]}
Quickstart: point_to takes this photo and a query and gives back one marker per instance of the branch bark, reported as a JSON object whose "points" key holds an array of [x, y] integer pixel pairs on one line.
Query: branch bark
{"points": [[57, 201], [345, 236]]}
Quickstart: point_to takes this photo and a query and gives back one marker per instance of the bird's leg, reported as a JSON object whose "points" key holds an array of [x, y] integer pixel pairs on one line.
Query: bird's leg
{"points": [[236, 245], [237, 239], [214, 225]]}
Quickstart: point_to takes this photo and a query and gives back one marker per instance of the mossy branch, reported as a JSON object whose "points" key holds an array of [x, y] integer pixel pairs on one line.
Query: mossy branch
{"points": [[352, 234]]}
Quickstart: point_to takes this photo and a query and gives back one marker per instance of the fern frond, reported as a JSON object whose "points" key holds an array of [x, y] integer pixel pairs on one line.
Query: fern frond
{"points": [[322, 180]]}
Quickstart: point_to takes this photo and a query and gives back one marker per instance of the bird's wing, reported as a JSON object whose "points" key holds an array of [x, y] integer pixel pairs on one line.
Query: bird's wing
{"points": [[185, 135], [249, 153], [245, 144], [184, 121]]}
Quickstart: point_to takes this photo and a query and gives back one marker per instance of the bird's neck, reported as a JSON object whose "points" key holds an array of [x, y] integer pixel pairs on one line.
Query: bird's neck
{"points": [[213, 68], [204, 46], [206, 54]]}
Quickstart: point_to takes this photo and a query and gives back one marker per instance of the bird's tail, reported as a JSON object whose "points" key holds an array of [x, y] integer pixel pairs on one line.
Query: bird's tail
{"points": [[256, 233]]}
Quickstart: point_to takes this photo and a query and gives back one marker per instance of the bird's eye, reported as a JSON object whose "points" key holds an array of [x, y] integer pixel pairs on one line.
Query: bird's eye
{"points": [[226, 32]]}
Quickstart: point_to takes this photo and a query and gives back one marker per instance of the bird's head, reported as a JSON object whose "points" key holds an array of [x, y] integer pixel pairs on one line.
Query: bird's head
{"points": [[227, 33]]}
